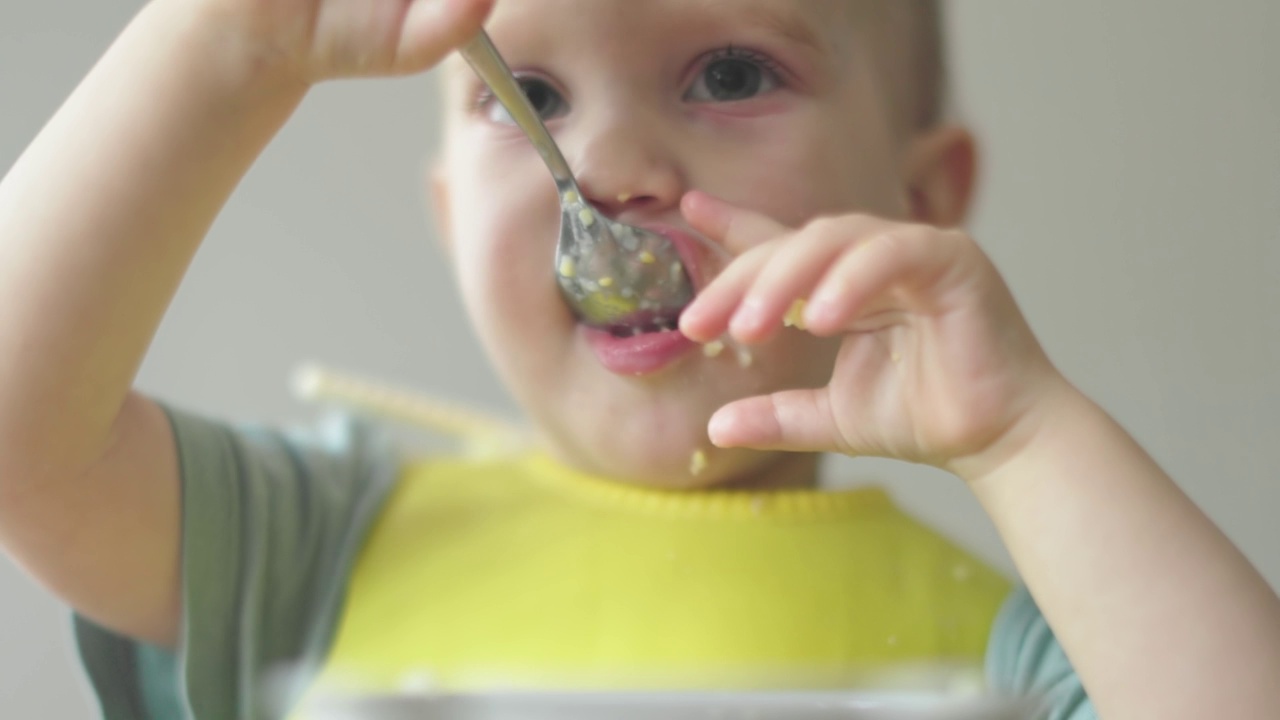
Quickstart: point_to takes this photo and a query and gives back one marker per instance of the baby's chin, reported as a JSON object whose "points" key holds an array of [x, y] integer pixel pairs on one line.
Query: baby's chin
{"points": [[700, 468]]}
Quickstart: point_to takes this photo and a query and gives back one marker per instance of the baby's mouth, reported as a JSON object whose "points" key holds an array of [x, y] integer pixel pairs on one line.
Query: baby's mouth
{"points": [[614, 294], [691, 251], [644, 325], [648, 346]]}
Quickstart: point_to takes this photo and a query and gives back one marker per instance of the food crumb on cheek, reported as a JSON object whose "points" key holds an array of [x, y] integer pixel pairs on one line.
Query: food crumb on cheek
{"points": [[697, 463], [745, 358], [713, 348]]}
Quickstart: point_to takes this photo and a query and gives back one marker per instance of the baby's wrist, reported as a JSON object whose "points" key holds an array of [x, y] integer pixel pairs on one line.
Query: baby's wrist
{"points": [[240, 62], [1059, 411]]}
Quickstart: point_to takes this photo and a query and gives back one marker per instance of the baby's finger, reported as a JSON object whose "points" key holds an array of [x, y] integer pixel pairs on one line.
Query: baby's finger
{"points": [[433, 28], [707, 317], [734, 228], [792, 420], [793, 270], [906, 257]]}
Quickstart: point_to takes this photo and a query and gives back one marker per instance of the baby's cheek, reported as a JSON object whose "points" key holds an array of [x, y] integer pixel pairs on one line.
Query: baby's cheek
{"points": [[506, 286], [815, 168], [784, 187]]}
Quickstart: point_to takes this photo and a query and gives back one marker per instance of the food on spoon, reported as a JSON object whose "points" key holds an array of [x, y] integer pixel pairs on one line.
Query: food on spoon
{"points": [[568, 268]]}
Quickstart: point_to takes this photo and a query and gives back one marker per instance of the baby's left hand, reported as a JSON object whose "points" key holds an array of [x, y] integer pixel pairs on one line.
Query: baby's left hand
{"points": [[937, 364]]}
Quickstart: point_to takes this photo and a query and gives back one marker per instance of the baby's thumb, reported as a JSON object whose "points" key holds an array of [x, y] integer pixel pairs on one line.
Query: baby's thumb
{"points": [[791, 420], [434, 28]]}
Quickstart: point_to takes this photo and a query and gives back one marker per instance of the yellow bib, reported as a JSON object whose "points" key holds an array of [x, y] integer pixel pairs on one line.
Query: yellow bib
{"points": [[521, 574]]}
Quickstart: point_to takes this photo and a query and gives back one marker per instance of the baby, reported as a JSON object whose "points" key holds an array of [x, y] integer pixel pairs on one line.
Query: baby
{"points": [[809, 141]]}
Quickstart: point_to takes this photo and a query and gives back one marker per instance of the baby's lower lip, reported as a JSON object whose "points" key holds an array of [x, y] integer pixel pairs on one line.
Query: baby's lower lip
{"points": [[637, 355]]}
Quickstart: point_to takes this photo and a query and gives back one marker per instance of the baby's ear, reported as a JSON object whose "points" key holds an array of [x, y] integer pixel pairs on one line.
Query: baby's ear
{"points": [[438, 188], [941, 174]]}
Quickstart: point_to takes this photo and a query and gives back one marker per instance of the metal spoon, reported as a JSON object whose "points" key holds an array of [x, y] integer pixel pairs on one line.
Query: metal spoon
{"points": [[613, 276]]}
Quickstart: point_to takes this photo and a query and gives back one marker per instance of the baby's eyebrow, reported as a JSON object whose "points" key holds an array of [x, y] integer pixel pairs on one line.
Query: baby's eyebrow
{"points": [[789, 25], [784, 19]]}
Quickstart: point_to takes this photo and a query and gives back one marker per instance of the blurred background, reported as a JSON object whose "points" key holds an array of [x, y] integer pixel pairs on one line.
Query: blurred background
{"points": [[1131, 196]]}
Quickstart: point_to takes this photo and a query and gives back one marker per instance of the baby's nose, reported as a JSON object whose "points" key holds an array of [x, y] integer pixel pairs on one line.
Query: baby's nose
{"points": [[622, 163]]}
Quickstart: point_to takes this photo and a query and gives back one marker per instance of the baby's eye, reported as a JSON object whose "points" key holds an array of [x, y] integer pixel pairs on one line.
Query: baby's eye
{"points": [[544, 98], [732, 77]]}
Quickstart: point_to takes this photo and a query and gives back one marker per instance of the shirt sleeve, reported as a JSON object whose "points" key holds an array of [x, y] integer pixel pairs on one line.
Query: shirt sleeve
{"points": [[1024, 659], [272, 522]]}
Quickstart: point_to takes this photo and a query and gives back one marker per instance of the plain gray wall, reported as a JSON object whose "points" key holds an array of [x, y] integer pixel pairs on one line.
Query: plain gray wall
{"points": [[1131, 196]]}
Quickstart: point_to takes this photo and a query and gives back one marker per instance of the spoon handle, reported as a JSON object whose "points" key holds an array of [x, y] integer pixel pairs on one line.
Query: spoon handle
{"points": [[489, 65]]}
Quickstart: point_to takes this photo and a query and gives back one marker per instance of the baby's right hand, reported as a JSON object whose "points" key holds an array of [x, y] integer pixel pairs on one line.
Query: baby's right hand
{"points": [[315, 40]]}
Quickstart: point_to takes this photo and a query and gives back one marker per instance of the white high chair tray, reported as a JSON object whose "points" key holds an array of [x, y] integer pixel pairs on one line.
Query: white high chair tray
{"points": [[674, 706]]}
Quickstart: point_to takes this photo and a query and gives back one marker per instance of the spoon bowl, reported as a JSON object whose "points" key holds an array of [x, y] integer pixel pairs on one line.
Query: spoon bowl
{"points": [[616, 276], [613, 276]]}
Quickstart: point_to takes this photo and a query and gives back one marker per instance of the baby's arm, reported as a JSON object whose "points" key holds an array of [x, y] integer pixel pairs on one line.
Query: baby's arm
{"points": [[98, 222], [1160, 615]]}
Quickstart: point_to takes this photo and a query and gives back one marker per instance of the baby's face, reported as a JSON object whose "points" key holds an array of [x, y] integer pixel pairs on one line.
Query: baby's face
{"points": [[770, 104]]}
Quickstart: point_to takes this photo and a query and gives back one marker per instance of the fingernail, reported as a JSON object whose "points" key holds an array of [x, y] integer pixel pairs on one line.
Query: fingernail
{"points": [[688, 328], [746, 317], [717, 428], [692, 207], [819, 312]]}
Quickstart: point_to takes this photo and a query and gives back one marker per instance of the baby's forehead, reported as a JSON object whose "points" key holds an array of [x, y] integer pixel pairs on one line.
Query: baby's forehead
{"points": [[804, 20]]}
